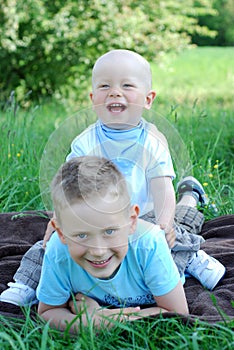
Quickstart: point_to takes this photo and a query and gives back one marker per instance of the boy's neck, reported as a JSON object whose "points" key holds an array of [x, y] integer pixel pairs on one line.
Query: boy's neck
{"points": [[112, 275], [121, 129]]}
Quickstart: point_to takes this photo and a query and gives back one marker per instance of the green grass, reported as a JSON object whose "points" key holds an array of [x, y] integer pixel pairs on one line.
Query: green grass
{"points": [[194, 108], [205, 73], [148, 334], [195, 95]]}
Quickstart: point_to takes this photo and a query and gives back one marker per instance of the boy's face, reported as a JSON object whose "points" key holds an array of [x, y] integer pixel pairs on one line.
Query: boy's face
{"points": [[97, 237], [121, 90]]}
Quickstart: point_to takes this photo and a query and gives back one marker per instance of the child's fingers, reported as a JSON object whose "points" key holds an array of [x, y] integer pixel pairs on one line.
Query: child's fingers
{"points": [[170, 240], [80, 297], [131, 314], [48, 233], [170, 235], [121, 312], [131, 310]]}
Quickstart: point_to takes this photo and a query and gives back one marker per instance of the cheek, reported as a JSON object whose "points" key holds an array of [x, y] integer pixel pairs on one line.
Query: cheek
{"points": [[121, 247], [98, 97], [123, 251], [76, 251], [139, 98]]}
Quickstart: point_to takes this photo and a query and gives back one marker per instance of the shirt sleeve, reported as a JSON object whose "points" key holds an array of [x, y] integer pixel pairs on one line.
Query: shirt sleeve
{"points": [[77, 149], [160, 161], [54, 287], [83, 144]]}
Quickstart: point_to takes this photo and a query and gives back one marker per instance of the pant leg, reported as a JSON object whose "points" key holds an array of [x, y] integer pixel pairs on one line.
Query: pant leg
{"points": [[189, 218], [188, 222], [186, 244], [29, 271]]}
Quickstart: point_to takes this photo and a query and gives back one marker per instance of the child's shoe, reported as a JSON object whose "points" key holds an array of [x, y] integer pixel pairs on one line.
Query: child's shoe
{"points": [[19, 294], [190, 185], [206, 269], [193, 187]]}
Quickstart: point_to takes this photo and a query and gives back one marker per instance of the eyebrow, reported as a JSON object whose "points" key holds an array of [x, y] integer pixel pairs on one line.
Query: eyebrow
{"points": [[114, 227]]}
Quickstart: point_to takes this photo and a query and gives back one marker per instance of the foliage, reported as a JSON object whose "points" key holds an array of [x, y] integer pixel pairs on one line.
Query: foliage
{"points": [[48, 47], [223, 24]]}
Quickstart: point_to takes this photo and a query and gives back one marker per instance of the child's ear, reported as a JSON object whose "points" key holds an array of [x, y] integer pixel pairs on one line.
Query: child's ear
{"points": [[134, 212], [149, 99], [58, 230]]}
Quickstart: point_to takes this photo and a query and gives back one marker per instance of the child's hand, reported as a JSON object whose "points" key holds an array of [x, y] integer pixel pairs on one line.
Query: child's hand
{"points": [[83, 303], [48, 233], [170, 235], [101, 315], [105, 316], [151, 311]]}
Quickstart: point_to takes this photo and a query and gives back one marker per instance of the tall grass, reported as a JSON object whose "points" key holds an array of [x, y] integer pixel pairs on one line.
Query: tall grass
{"points": [[152, 334], [195, 94], [23, 137], [205, 73]]}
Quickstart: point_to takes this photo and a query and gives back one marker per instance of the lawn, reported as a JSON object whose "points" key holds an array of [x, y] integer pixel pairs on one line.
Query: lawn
{"points": [[194, 107]]}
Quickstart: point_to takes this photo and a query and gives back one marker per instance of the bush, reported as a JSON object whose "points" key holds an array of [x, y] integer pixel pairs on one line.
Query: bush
{"points": [[47, 47]]}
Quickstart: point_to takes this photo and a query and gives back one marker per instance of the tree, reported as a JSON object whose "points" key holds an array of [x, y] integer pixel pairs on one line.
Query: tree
{"points": [[222, 23], [49, 47]]}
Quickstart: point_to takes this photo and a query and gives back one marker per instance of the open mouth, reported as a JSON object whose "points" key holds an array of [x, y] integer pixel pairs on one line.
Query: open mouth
{"points": [[116, 107], [99, 263]]}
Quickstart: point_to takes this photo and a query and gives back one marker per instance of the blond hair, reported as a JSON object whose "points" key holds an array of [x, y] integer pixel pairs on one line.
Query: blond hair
{"points": [[87, 177]]}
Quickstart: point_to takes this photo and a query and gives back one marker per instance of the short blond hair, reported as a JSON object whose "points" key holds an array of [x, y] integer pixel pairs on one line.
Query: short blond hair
{"points": [[84, 178]]}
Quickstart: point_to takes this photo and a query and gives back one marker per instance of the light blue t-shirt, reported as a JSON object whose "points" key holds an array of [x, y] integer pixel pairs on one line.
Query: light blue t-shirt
{"points": [[147, 270], [139, 153]]}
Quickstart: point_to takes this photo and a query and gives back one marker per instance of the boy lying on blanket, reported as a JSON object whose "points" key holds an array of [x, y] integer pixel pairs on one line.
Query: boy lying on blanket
{"points": [[100, 255]]}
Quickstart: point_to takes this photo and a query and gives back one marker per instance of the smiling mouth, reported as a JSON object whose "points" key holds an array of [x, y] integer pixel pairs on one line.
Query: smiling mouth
{"points": [[116, 107], [99, 263]]}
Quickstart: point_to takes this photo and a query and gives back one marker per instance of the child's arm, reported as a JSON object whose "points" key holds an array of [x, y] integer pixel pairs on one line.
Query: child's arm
{"points": [[90, 311], [174, 301], [164, 205], [58, 316]]}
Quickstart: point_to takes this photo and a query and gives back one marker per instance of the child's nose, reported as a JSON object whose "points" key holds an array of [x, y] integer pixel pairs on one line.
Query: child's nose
{"points": [[98, 249], [115, 93]]}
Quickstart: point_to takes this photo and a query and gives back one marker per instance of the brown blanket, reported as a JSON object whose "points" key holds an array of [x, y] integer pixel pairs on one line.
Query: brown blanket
{"points": [[18, 232]]}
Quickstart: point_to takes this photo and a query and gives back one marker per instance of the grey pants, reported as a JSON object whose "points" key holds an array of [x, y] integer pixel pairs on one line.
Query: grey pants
{"points": [[188, 223]]}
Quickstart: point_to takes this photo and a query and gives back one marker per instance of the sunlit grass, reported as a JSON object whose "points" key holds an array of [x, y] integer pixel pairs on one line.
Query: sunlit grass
{"points": [[205, 73], [154, 333]]}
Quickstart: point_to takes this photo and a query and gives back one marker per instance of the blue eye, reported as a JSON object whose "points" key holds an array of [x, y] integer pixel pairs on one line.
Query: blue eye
{"points": [[109, 231], [81, 235]]}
